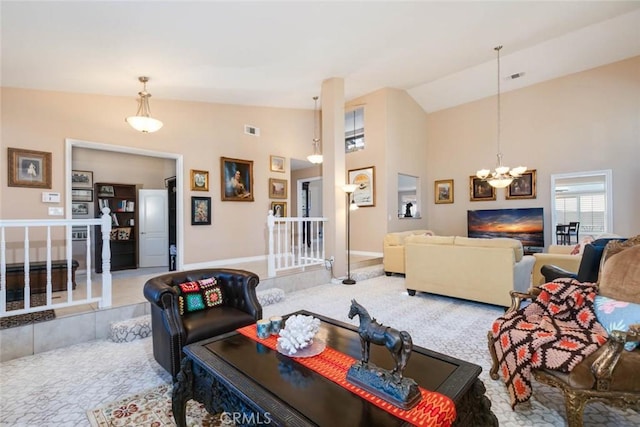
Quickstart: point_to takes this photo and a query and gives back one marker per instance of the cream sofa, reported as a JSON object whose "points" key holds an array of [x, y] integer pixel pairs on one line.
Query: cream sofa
{"points": [[482, 270], [393, 250], [558, 255]]}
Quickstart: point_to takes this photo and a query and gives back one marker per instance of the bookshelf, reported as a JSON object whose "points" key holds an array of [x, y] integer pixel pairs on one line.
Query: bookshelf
{"points": [[121, 199]]}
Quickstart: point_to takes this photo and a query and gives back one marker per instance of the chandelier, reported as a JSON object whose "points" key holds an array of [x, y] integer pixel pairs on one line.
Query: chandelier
{"points": [[143, 121], [316, 156], [502, 176]]}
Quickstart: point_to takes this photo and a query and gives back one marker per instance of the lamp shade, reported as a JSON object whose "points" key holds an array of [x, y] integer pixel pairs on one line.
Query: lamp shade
{"points": [[144, 124]]}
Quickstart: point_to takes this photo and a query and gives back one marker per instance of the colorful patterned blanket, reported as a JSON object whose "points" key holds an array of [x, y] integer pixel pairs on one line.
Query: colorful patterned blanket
{"points": [[556, 331]]}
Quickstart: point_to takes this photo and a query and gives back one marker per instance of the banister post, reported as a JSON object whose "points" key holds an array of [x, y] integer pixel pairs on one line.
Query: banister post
{"points": [[271, 257], [105, 227]]}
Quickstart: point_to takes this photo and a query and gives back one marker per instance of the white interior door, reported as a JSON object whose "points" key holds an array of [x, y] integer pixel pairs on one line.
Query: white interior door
{"points": [[153, 229]]}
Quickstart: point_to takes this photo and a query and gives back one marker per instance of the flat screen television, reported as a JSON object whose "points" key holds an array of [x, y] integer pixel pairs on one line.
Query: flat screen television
{"points": [[524, 224]]}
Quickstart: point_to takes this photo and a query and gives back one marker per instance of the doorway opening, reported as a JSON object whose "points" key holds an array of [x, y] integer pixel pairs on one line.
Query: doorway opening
{"points": [[72, 144]]}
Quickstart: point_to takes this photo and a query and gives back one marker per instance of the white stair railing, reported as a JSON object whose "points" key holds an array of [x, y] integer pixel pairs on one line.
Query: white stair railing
{"points": [[294, 243], [24, 258]]}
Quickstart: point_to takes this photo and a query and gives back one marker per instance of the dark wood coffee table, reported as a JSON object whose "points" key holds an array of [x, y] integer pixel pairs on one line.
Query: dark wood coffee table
{"points": [[247, 380]]}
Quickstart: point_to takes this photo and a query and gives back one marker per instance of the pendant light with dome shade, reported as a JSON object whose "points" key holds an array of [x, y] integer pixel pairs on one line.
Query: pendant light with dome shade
{"points": [[316, 156], [502, 176], [143, 121]]}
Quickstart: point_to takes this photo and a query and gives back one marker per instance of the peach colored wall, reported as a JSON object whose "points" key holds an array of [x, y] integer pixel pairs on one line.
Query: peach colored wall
{"points": [[201, 132], [581, 122]]}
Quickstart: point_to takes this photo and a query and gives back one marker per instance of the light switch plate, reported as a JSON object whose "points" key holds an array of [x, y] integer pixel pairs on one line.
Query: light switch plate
{"points": [[56, 211]]}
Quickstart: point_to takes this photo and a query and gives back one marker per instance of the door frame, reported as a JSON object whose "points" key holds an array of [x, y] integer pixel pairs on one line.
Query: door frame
{"points": [[71, 143], [299, 192]]}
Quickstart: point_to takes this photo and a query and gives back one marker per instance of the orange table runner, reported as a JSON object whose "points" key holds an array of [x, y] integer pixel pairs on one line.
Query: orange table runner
{"points": [[434, 409]]}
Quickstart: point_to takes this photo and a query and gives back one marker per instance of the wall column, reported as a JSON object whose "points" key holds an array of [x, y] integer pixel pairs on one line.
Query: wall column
{"points": [[333, 173]]}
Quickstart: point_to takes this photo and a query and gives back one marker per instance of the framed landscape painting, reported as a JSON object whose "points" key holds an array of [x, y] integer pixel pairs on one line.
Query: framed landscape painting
{"points": [[277, 188], [443, 190]]}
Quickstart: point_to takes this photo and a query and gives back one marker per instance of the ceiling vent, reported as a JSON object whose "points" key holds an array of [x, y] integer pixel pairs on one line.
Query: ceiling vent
{"points": [[251, 130]]}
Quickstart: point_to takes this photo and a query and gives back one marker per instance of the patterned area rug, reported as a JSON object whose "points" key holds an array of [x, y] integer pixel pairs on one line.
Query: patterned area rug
{"points": [[26, 319], [150, 408]]}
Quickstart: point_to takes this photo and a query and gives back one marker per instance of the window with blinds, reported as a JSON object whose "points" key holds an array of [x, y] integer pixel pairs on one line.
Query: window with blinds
{"points": [[585, 202]]}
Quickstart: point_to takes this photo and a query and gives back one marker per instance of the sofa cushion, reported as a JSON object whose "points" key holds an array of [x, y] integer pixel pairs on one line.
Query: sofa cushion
{"points": [[398, 238], [204, 324], [617, 315], [499, 242], [431, 240], [620, 276]]}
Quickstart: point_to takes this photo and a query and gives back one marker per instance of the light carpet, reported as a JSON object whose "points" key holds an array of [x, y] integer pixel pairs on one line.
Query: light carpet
{"points": [[67, 382]]}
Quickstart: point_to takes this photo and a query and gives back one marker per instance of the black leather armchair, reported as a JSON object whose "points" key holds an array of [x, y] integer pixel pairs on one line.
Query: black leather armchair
{"points": [[172, 331], [589, 264]]}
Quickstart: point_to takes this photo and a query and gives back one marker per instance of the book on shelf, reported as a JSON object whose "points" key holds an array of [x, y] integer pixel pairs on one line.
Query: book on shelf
{"points": [[114, 220], [103, 203]]}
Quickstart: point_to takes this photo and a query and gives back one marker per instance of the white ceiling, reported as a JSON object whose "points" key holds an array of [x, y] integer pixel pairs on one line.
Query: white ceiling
{"points": [[277, 54]]}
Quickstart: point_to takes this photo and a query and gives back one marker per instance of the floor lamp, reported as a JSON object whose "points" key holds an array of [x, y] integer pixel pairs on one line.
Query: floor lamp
{"points": [[349, 189]]}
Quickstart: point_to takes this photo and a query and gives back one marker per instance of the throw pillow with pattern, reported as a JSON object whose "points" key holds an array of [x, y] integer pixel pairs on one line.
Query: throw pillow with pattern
{"points": [[211, 292], [617, 316]]}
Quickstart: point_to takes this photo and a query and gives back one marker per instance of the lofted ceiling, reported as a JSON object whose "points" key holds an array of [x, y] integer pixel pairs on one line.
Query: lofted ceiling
{"points": [[277, 54]]}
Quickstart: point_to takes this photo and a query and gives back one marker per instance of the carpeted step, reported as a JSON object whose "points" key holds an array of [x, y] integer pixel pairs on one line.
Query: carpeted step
{"points": [[130, 329], [270, 296], [369, 272]]}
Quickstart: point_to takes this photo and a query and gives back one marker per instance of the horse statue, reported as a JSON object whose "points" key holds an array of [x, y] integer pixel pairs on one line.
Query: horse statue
{"points": [[399, 343]]}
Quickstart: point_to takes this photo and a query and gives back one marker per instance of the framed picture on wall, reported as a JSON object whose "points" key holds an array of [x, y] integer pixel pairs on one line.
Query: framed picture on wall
{"points": [[80, 209], [81, 179], [199, 180], [365, 193], [277, 164], [279, 209], [277, 188], [80, 195], [29, 168], [236, 179], [443, 190], [480, 190], [523, 187], [200, 210]]}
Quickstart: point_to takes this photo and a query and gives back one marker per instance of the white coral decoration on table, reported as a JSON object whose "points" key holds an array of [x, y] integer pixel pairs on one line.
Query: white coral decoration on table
{"points": [[298, 333]]}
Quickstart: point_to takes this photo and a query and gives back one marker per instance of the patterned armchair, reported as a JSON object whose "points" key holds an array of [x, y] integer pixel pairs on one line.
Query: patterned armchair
{"points": [[611, 374]]}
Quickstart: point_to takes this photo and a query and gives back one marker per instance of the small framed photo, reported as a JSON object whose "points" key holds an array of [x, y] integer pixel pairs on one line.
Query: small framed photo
{"points": [[279, 209], [365, 193], [277, 188], [79, 195], [480, 190], [199, 180], [523, 187], [200, 210], [106, 191], [29, 168], [81, 179], [277, 164], [443, 190], [78, 232], [80, 209], [236, 179]]}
